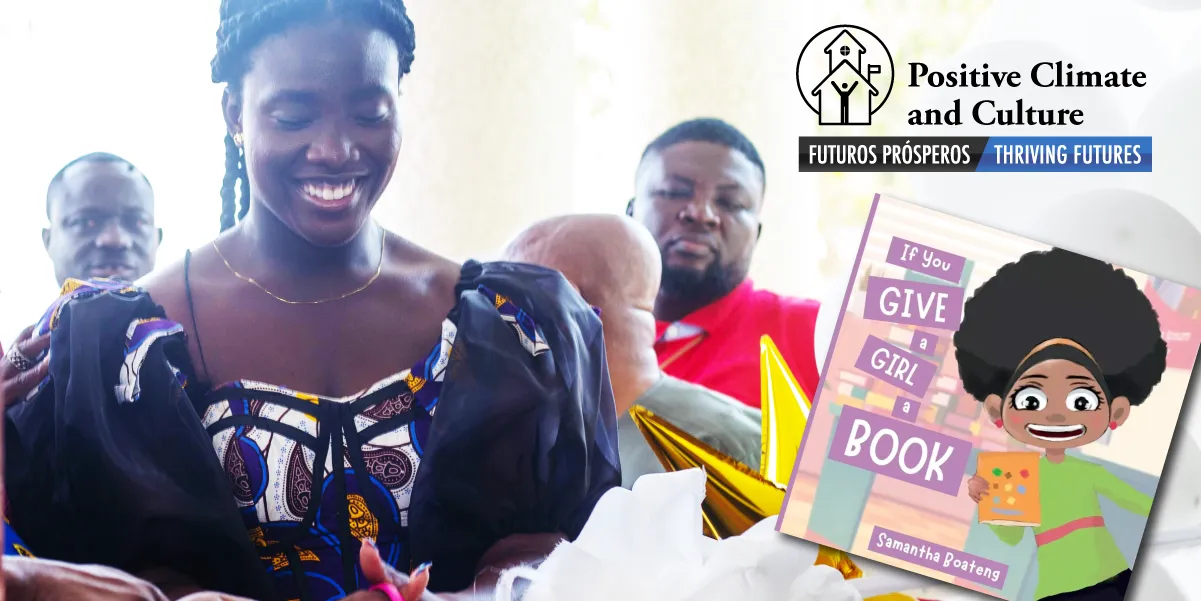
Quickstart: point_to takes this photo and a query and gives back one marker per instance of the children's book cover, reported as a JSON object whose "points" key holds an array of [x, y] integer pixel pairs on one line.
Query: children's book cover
{"points": [[993, 412]]}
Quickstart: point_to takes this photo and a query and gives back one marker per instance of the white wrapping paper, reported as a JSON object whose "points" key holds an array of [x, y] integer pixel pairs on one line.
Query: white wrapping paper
{"points": [[646, 544]]}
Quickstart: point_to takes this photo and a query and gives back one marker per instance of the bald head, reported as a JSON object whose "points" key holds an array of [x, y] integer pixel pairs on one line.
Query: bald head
{"points": [[615, 264], [612, 259]]}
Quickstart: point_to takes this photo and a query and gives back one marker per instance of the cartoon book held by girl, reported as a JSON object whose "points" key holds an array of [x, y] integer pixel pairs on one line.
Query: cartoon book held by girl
{"points": [[1012, 497]]}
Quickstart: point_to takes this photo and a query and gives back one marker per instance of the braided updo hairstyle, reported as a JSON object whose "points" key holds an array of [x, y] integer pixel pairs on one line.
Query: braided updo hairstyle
{"points": [[246, 23]]}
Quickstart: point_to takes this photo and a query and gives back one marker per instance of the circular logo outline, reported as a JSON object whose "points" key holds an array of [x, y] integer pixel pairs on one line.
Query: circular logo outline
{"points": [[891, 66]]}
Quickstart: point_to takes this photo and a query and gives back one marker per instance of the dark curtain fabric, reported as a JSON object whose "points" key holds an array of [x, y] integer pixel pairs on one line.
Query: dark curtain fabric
{"points": [[519, 443], [131, 485]]}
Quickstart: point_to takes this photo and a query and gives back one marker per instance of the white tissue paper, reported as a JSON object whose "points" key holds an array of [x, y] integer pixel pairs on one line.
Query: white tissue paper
{"points": [[1178, 502], [646, 544]]}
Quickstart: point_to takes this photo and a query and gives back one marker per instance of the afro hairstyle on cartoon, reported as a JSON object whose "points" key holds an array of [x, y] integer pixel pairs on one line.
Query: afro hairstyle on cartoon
{"points": [[1060, 294]]}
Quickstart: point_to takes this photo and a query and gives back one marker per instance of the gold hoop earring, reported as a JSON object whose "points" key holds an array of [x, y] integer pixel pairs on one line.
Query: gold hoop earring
{"points": [[238, 139]]}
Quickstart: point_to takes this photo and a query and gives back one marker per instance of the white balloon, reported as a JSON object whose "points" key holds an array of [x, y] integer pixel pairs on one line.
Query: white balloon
{"points": [[1168, 575], [1178, 500], [1112, 36], [1172, 119], [1126, 228], [1179, 504], [1190, 54]]}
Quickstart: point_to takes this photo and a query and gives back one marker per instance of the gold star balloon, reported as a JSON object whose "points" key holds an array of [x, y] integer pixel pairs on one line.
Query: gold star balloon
{"points": [[785, 413], [736, 497]]}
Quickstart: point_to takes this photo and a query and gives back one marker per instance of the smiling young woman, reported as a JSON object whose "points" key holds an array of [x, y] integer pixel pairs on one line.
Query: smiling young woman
{"points": [[310, 349]]}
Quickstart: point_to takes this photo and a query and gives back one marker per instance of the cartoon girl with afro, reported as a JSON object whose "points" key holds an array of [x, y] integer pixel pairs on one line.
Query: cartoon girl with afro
{"points": [[1060, 347]]}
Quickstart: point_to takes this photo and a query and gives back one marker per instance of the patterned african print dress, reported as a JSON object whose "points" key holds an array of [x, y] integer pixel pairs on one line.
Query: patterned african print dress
{"points": [[507, 426], [13, 544]]}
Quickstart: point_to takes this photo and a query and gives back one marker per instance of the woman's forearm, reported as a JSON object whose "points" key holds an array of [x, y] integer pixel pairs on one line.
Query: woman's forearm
{"points": [[516, 550], [173, 584]]}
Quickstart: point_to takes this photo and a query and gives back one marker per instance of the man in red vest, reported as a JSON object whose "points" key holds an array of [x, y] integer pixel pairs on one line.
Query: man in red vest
{"points": [[699, 190]]}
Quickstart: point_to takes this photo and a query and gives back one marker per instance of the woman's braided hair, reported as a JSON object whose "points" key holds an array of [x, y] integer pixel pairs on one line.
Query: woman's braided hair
{"points": [[246, 23]]}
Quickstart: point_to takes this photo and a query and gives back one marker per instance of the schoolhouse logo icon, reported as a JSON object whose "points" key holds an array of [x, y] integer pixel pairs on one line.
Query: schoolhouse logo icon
{"points": [[845, 75]]}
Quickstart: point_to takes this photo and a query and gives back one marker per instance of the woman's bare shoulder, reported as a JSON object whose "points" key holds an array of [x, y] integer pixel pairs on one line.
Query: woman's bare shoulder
{"points": [[167, 285], [424, 269]]}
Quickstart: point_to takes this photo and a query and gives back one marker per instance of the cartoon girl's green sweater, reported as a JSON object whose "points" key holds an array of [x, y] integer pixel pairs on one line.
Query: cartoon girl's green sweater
{"points": [[1069, 491]]}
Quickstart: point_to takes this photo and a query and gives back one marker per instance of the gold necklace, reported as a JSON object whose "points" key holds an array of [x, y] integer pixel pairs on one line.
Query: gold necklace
{"points": [[378, 269]]}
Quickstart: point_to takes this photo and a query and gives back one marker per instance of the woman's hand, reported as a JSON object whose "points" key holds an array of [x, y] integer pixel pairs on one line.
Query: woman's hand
{"points": [[411, 587], [366, 596], [976, 487], [509, 552], [506, 553], [18, 373], [210, 596]]}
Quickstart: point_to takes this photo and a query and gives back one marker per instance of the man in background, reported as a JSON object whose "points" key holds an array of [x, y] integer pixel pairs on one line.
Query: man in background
{"points": [[101, 225], [615, 265], [699, 191], [101, 212]]}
